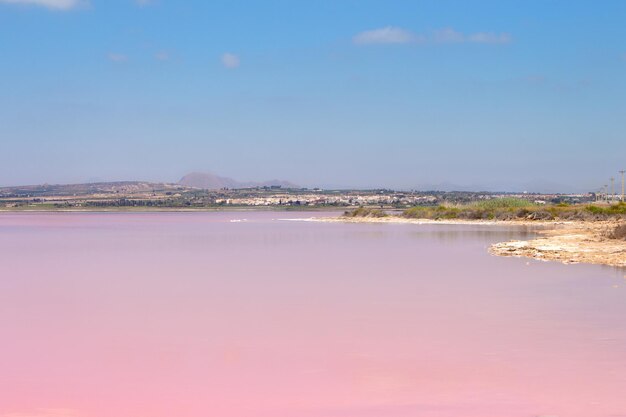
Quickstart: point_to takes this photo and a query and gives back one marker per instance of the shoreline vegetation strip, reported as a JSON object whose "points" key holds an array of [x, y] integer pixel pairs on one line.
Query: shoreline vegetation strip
{"points": [[575, 234]]}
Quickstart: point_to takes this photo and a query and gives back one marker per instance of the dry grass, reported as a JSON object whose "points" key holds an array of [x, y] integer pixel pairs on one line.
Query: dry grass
{"points": [[514, 209], [365, 212], [617, 232]]}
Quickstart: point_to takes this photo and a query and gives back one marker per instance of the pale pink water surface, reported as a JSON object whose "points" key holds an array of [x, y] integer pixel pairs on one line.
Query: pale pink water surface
{"points": [[194, 315]]}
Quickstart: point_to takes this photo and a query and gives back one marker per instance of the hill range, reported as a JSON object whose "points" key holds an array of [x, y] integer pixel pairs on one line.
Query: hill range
{"points": [[210, 181]]}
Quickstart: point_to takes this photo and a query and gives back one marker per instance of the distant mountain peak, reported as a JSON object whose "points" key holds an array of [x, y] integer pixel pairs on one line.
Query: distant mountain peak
{"points": [[211, 181]]}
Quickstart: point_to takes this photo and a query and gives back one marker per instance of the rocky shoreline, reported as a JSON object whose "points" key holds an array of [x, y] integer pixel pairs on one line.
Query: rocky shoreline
{"points": [[569, 242], [577, 243]]}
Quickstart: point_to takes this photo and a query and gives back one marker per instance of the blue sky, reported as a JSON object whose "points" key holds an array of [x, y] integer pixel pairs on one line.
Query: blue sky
{"points": [[483, 94]]}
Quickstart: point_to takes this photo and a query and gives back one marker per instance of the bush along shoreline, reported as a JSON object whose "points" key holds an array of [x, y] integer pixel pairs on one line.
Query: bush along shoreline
{"points": [[503, 209], [593, 234]]}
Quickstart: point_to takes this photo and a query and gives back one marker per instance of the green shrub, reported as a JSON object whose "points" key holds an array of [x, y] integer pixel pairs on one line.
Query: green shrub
{"points": [[365, 212], [502, 203], [594, 209], [516, 209]]}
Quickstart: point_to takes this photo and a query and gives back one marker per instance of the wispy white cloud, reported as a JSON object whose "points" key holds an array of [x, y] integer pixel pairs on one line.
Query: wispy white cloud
{"points": [[395, 35], [51, 4], [144, 2], [448, 35], [386, 35], [114, 57], [230, 60]]}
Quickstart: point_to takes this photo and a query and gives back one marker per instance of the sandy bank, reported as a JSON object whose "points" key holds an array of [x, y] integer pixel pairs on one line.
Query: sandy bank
{"points": [[402, 220], [568, 242], [577, 243]]}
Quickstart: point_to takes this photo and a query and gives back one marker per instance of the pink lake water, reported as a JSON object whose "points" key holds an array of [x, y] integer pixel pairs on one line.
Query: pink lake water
{"points": [[194, 315]]}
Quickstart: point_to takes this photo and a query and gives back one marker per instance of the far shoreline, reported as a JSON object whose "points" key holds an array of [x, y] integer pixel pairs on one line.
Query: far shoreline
{"points": [[290, 209], [391, 219]]}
